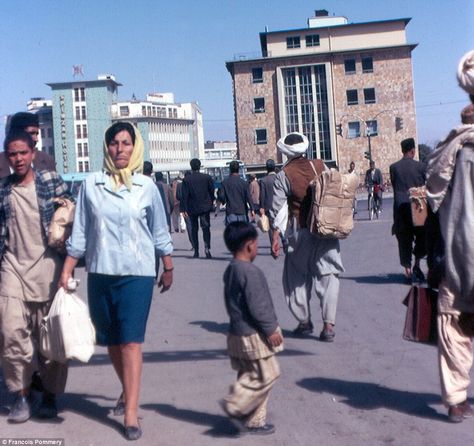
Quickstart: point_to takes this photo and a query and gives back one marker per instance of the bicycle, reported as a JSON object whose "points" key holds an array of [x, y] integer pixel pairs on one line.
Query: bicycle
{"points": [[373, 204]]}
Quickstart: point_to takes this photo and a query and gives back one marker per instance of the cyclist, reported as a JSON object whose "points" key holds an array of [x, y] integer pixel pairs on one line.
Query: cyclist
{"points": [[374, 185]]}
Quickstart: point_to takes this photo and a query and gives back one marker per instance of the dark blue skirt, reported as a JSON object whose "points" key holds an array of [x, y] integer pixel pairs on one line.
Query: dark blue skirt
{"points": [[119, 307]]}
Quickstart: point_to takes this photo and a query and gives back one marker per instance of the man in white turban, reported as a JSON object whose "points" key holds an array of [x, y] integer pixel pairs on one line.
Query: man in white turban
{"points": [[310, 262], [450, 191]]}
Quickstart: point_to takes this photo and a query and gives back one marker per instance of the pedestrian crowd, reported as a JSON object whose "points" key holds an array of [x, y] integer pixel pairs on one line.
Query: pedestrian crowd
{"points": [[122, 229]]}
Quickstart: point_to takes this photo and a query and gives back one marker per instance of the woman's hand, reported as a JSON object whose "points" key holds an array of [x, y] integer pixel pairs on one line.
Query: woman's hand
{"points": [[166, 280], [63, 279], [66, 274]]}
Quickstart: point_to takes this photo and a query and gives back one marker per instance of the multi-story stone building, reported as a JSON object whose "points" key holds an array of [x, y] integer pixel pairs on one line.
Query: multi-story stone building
{"points": [[331, 77]]}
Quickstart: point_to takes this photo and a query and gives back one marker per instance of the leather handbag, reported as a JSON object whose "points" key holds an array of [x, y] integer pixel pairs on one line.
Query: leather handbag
{"points": [[61, 224], [421, 317], [263, 223]]}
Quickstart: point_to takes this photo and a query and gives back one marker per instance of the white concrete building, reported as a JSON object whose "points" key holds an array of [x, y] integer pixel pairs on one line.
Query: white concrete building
{"points": [[44, 109], [220, 150], [172, 132]]}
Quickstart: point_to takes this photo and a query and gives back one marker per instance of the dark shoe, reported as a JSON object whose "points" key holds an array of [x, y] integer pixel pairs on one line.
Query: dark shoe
{"points": [[327, 335], [266, 429], [48, 408], [132, 433], [208, 254], [459, 412], [417, 275], [22, 409], [119, 409], [303, 329], [196, 255]]}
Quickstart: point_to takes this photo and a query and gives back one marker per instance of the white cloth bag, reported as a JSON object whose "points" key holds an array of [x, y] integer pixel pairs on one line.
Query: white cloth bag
{"points": [[67, 331]]}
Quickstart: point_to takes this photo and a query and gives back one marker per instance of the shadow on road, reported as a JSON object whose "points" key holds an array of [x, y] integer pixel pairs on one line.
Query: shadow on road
{"points": [[219, 425], [212, 327], [379, 279], [369, 396], [82, 404]]}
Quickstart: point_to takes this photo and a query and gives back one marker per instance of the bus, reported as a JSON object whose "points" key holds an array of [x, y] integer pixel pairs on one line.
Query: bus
{"points": [[217, 169]]}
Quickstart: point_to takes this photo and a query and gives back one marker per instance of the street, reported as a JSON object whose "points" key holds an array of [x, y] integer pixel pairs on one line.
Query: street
{"points": [[369, 387]]}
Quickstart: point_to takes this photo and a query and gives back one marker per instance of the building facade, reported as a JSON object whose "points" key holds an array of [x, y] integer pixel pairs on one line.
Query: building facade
{"points": [[171, 132], [81, 113], [82, 110], [220, 150], [334, 81]]}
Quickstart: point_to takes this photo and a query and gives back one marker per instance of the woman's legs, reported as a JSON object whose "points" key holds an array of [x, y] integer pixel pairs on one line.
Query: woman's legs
{"points": [[127, 361], [131, 355]]}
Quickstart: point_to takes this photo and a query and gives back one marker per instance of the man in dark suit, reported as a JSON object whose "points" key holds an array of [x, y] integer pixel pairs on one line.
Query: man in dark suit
{"points": [[266, 192], [234, 193], [198, 202], [29, 122], [404, 174], [374, 183]]}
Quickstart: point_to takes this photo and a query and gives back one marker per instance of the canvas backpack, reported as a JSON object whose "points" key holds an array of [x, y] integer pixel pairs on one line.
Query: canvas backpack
{"points": [[332, 195]]}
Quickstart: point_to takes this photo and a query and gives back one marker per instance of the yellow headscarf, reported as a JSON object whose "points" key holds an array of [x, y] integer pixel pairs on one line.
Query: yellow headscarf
{"points": [[124, 176]]}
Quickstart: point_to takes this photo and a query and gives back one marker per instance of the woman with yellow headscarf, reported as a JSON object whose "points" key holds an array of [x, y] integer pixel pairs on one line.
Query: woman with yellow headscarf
{"points": [[119, 226]]}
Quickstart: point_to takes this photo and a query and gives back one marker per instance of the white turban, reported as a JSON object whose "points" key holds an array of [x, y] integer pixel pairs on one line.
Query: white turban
{"points": [[294, 150], [466, 72]]}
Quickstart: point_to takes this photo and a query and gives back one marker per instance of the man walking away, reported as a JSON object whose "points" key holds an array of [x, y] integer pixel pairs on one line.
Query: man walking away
{"points": [[198, 202], [266, 192], [404, 174], [310, 261], [234, 193]]}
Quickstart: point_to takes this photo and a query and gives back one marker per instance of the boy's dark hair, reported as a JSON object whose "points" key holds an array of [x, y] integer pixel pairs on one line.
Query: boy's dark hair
{"points": [[18, 135], [234, 167], [238, 233], [195, 164], [118, 127], [147, 168], [159, 176], [293, 138]]}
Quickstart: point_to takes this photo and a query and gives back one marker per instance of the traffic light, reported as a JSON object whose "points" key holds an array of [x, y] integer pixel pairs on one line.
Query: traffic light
{"points": [[367, 155], [398, 123], [339, 129]]}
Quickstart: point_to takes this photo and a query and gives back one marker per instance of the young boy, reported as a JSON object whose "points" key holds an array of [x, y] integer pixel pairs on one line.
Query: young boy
{"points": [[254, 335]]}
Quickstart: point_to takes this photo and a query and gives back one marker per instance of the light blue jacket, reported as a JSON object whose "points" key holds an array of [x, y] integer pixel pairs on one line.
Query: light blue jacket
{"points": [[119, 232]]}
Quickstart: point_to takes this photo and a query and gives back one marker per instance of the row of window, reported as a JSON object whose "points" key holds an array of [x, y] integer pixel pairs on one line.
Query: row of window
{"points": [[366, 62], [79, 94], [353, 96], [293, 42], [350, 67], [353, 131], [354, 128], [81, 131]]}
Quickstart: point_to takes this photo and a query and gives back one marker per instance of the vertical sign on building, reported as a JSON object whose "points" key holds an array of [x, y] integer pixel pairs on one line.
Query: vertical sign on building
{"points": [[62, 108]]}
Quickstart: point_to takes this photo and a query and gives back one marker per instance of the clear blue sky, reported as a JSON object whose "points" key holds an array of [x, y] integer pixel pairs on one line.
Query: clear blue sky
{"points": [[182, 46]]}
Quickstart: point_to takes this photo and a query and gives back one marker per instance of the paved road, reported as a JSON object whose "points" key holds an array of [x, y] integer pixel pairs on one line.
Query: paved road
{"points": [[367, 388]]}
